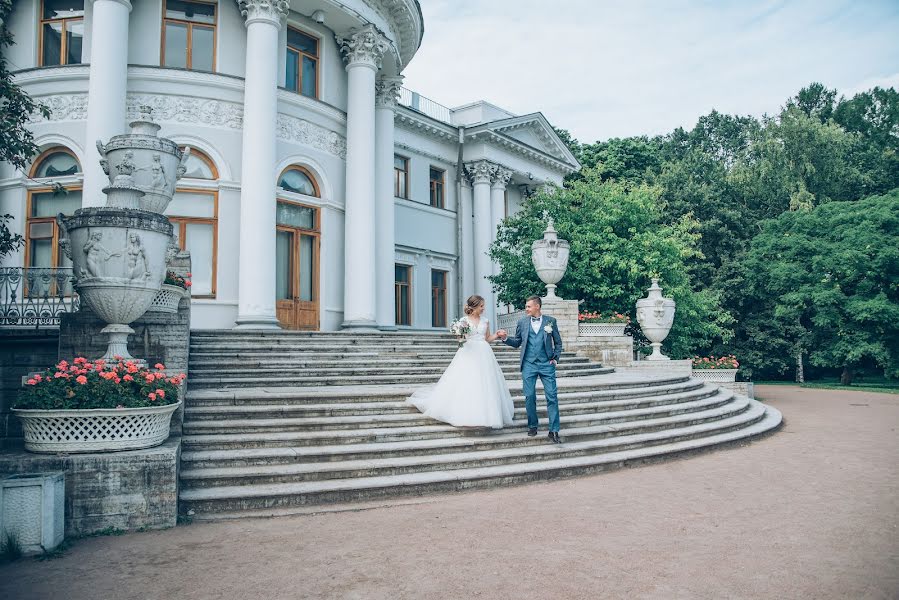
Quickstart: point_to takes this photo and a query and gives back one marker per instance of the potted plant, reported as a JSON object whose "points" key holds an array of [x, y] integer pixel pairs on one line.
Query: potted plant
{"points": [[719, 369], [96, 406], [597, 324], [174, 287]]}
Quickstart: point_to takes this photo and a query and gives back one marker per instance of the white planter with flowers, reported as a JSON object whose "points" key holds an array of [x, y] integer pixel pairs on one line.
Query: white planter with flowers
{"points": [[715, 375]]}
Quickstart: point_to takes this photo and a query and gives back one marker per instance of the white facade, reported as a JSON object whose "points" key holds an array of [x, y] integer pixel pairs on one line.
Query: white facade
{"points": [[252, 127]]}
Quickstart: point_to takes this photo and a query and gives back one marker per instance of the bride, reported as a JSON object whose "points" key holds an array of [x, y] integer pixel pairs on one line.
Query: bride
{"points": [[472, 391]]}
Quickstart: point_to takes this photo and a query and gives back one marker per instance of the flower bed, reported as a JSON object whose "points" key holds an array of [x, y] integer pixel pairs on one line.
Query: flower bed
{"points": [[96, 406], [718, 369], [172, 278], [591, 324]]}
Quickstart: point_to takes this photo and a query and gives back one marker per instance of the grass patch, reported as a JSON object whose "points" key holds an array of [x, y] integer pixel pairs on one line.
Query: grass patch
{"points": [[10, 548], [884, 386]]}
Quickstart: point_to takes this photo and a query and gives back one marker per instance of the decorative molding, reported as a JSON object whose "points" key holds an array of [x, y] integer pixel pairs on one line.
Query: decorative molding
{"points": [[404, 18], [363, 46], [404, 258], [446, 160], [63, 107], [264, 11], [387, 91], [522, 149], [310, 134], [480, 171], [413, 121], [186, 109], [501, 177]]}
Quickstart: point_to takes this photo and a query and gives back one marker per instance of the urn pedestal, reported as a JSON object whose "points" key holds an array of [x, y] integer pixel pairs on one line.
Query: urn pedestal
{"points": [[655, 315]]}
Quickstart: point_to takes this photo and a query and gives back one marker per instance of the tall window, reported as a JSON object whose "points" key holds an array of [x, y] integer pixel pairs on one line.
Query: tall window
{"points": [[62, 32], [438, 179], [41, 232], [193, 212], [302, 63], [400, 177], [188, 35], [403, 291], [438, 298]]}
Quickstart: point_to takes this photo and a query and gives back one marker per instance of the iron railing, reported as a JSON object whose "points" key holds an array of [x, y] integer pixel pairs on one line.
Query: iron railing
{"points": [[424, 105], [36, 297]]}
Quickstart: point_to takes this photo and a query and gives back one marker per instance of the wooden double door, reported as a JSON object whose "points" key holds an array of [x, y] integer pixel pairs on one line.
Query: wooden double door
{"points": [[297, 248]]}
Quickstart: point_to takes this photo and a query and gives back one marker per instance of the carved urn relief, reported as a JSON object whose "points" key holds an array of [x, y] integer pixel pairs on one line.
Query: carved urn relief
{"points": [[655, 315], [550, 258]]}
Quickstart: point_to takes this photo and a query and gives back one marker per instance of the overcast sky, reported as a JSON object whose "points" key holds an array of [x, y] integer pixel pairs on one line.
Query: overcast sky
{"points": [[603, 68]]}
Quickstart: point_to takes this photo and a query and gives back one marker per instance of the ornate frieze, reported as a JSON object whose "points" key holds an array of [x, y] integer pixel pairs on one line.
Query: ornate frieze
{"points": [[387, 91], [185, 109], [269, 11], [65, 107], [365, 45], [309, 134]]}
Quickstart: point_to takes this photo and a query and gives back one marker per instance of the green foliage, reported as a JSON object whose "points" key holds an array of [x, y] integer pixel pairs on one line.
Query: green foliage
{"points": [[86, 385], [827, 280], [9, 242], [10, 548], [617, 242]]}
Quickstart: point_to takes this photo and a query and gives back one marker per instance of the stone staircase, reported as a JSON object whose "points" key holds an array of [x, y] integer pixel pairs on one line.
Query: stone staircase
{"points": [[277, 422]]}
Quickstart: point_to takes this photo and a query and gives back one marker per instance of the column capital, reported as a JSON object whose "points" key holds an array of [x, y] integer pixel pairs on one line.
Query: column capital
{"points": [[387, 91], [501, 177], [263, 11], [480, 171], [363, 46], [124, 3]]}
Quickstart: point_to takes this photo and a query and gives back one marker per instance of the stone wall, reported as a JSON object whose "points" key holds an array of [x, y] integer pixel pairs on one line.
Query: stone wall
{"points": [[22, 351], [611, 351], [120, 490]]}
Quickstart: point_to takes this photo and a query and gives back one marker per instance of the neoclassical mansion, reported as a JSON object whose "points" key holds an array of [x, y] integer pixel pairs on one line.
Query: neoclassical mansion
{"points": [[320, 193]]}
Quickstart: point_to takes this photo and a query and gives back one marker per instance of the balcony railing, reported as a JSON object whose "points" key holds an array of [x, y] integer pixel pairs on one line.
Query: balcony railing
{"points": [[36, 297], [426, 106]]}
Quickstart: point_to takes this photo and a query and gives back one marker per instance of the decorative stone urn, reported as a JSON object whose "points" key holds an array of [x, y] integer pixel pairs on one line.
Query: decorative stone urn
{"points": [[550, 258], [655, 315], [119, 257], [153, 162]]}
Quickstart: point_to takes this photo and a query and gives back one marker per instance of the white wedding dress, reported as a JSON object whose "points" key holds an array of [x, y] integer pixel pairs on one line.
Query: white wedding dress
{"points": [[472, 392]]}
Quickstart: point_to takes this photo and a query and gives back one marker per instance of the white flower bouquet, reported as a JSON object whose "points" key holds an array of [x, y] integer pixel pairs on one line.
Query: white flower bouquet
{"points": [[460, 328]]}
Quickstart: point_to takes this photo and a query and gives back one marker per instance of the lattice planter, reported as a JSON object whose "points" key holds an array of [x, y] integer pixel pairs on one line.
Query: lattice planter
{"points": [[167, 299], [715, 375], [95, 430], [600, 329]]}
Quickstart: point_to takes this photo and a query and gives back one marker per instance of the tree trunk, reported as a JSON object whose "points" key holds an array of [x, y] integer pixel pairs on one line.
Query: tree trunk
{"points": [[800, 372], [846, 377]]}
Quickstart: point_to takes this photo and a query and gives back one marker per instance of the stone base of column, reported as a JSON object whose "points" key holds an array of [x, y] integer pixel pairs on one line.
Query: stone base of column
{"points": [[360, 326], [256, 322]]}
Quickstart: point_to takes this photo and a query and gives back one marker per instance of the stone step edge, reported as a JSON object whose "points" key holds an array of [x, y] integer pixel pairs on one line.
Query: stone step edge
{"points": [[332, 448], [414, 416], [466, 478], [447, 459]]}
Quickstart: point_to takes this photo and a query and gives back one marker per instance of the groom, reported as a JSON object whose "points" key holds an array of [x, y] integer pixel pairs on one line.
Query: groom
{"points": [[541, 347]]}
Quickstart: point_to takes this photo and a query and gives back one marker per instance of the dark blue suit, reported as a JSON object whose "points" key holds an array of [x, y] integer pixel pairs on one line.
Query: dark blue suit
{"points": [[537, 350]]}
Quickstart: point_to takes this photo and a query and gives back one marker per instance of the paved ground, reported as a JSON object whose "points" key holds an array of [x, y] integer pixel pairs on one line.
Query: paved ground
{"points": [[809, 512]]}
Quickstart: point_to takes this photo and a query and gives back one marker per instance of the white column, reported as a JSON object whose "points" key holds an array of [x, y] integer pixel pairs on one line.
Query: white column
{"points": [[362, 51], [256, 264], [465, 213], [498, 213], [105, 91], [387, 91], [481, 175]]}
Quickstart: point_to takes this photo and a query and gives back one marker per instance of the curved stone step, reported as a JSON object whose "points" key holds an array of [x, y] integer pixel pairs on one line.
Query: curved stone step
{"points": [[304, 435], [223, 501], [382, 466]]}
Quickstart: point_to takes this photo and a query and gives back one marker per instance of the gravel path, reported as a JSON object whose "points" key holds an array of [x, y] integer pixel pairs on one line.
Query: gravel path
{"points": [[809, 512]]}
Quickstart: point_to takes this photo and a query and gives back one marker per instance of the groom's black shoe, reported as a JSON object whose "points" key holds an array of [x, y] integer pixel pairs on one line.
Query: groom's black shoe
{"points": [[554, 437], [532, 431]]}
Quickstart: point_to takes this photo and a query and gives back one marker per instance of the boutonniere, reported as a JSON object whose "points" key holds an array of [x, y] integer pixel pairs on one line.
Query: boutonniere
{"points": [[548, 329]]}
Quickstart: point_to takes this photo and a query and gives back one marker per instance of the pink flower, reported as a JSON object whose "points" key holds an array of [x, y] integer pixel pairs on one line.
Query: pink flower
{"points": [[188, 284], [151, 396], [188, 275], [159, 366], [128, 378], [160, 393], [80, 360], [31, 382], [38, 378], [81, 379]]}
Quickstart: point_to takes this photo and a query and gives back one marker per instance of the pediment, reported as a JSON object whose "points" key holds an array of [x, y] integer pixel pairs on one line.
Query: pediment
{"points": [[535, 131]]}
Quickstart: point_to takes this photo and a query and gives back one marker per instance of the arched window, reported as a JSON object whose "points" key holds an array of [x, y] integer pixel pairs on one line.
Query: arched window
{"points": [[298, 180], [194, 215], [57, 171]]}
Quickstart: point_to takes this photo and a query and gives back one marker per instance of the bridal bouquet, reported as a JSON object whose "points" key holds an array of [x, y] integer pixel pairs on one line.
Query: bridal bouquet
{"points": [[460, 328]]}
